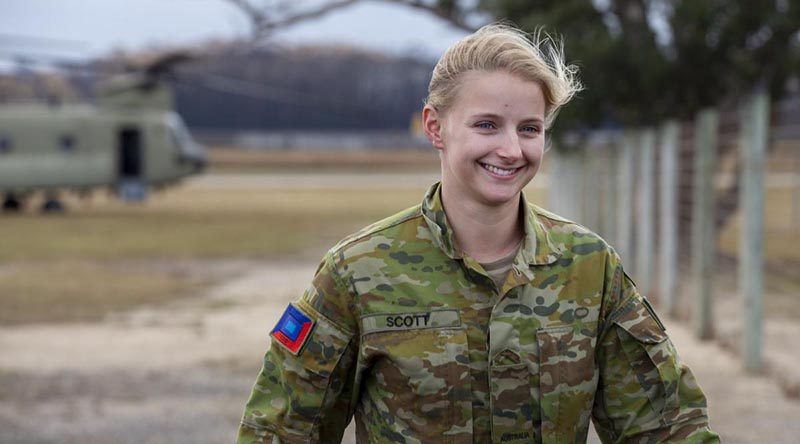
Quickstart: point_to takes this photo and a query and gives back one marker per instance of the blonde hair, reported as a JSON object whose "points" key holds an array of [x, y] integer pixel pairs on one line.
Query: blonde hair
{"points": [[498, 46]]}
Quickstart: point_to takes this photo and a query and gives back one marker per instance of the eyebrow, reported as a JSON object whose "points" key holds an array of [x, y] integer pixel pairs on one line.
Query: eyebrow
{"points": [[498, 117]]}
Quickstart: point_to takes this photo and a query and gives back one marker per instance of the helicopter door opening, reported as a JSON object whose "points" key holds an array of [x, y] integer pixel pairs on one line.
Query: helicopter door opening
{"points": [[131, 185]]}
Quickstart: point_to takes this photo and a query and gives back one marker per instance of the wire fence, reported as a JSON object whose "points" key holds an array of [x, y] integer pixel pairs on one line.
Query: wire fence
{"points": [[705, 213]]}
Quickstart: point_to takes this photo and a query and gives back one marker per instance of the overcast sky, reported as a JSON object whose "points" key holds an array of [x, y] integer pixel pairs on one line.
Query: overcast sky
{"points": [[81, 28]]}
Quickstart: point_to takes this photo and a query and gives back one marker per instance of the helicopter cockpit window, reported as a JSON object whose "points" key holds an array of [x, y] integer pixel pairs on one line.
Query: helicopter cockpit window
{"points": [[5, 145], [180, 135], [180, 138], [66, 144]]}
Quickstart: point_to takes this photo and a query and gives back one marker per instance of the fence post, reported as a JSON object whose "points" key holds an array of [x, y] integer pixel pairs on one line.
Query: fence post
{"points": [[555, 177], [566, 187], [704, 237], [755, 126], [668, 217], [625, 196], [645, 234], [609, 192], [572, 165], [594, 195], [583, 175]]}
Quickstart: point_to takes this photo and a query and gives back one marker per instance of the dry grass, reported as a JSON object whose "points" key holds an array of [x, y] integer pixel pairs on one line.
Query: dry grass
{"points": [[93, 260], [200, 223], [66, 291], [782, 227], [243, 160]]}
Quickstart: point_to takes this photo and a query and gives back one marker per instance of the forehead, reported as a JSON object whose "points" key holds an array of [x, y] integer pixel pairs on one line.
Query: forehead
{"points": [[495, 90]]}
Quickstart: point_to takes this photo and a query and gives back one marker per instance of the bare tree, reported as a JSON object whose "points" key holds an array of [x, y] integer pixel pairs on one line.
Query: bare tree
{"points": [[268, 16]]}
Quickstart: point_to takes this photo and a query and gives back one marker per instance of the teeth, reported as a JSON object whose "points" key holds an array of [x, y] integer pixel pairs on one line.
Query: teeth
{"points": [[499, 171]]}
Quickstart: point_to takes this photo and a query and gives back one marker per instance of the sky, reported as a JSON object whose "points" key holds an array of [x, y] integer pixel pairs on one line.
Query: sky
{"points": [[77, 29]]}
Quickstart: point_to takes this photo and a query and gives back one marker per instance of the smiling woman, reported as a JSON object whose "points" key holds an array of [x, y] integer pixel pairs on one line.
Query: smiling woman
{"points": [[476, 316], [491, 143]]}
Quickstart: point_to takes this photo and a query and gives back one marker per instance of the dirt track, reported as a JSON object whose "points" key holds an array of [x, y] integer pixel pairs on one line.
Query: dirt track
{"points": [[182, 373]]}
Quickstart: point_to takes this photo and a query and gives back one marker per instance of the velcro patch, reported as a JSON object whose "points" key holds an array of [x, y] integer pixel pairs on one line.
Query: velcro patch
{"points": [[293, 329]]}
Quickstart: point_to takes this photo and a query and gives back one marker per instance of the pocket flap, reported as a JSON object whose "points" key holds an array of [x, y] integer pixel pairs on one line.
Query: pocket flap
{"points": [[506, 357], [641, 323]]}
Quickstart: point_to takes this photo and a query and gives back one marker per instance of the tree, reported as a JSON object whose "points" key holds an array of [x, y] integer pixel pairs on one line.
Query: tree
{"points": [[267, 16], [643, 60]]}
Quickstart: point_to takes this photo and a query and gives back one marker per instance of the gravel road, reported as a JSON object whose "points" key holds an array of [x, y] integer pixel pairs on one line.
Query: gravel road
{"points": [[181, 373]]}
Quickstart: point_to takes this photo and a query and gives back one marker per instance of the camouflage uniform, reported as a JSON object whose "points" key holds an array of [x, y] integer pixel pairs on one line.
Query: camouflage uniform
{"points": [[412, 337]]}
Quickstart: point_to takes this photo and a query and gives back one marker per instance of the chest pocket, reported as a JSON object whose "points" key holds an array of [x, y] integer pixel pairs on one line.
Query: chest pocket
{"points": [[417, 386], [546, 394]]}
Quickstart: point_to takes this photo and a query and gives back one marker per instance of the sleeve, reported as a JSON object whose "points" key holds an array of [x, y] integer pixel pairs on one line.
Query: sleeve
{"points": [[646, 394], [304, 392]]}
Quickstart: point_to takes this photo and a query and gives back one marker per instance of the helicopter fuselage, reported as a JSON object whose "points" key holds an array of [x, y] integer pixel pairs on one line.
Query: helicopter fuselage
{"points": [[80, 147]]}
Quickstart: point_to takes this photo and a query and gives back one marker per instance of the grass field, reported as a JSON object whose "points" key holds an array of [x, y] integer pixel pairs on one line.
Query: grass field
{"points": [[782, 227], [103, 256], [200, 223], [67, 291], [259, 161]]}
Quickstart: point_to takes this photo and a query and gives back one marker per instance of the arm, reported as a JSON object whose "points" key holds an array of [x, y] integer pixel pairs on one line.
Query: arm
{"points": [[646, 394], [304, 390]]}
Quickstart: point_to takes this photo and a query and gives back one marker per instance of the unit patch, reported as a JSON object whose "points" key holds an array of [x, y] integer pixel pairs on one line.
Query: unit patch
{"points": [[293, 329]]}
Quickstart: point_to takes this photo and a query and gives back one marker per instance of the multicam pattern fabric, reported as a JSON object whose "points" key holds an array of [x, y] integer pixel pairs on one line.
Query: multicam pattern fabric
{"points": [[413, 338]]}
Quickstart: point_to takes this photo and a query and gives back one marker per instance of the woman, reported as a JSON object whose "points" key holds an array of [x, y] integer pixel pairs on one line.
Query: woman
{"points": [[474, 316]]}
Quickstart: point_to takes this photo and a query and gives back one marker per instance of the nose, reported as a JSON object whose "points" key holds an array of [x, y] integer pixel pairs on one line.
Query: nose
{"points": [[510, 147]]}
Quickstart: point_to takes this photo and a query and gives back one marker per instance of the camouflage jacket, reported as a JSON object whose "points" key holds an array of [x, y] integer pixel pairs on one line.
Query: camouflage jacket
{"points": [[412, 337]]}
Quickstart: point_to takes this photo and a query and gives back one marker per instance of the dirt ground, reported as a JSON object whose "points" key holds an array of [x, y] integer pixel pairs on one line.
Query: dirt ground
{"points": [[182, 373]]}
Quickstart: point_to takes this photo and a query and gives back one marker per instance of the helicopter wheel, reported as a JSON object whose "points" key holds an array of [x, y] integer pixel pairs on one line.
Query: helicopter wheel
{"points": [[11, 203], [52, 205]]}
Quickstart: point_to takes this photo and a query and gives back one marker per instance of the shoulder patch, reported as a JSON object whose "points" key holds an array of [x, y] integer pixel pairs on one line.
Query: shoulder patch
{"points": [[293, 329]]}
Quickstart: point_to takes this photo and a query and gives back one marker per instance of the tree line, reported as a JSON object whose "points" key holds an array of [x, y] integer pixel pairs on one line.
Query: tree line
{"points": [[640, 60], [315, 87]]}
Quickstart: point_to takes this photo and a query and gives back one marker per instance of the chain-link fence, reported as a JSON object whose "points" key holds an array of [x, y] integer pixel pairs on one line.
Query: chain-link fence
{"points": [[690, 206]]}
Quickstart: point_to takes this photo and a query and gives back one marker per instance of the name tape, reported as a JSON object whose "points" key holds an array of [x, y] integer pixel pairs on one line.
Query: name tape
{"points": [[410, 321]]}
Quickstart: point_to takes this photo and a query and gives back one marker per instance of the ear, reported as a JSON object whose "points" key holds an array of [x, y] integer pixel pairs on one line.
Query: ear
{"points": [[432, 125]]}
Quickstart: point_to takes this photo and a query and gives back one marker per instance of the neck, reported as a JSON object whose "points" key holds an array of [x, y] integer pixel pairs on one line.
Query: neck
{"points": [[486, 233]]}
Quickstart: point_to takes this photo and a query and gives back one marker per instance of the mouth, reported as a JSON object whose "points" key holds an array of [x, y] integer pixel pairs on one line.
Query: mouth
{"points": [[501, 172]]}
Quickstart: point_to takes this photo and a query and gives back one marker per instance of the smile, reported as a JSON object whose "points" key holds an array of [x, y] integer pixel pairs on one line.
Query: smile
{"points": [[499, 171]]}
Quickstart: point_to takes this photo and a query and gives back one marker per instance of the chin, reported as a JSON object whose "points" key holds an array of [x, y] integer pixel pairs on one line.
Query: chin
{"points": [[498, 197]]}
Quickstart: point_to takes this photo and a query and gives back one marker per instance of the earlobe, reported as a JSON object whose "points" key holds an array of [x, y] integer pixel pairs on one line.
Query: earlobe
{"points": [[432, 126]]}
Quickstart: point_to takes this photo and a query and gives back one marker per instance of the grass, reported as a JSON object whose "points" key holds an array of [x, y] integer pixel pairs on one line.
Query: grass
{"points": [[84, 291], [103, 256], [781, 227], [200, 223], [226, 159]]}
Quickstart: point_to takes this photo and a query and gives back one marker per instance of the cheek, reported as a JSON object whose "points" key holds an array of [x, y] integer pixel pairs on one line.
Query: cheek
{"points": [[535, 151]]}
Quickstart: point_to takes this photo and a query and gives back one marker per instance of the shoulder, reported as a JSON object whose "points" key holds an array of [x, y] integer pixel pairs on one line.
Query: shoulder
{"points": [[569, 236], [382, 234]]}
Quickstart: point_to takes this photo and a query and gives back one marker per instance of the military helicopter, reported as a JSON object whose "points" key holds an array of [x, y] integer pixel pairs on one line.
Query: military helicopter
{"points": [[129, 140]]}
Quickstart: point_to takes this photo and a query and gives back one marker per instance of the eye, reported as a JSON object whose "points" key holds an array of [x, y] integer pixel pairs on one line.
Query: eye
{"points": [[531, 129], [485, 125]]}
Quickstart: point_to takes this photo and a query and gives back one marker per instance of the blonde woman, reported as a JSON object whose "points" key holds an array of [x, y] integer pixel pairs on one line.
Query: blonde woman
{"points": [[476, 317]]}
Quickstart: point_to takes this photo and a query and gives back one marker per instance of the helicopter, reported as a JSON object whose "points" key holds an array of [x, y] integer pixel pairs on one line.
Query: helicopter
{"points": [[129, 140]]}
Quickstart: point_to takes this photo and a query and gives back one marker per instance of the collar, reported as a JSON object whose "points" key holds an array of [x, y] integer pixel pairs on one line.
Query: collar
{"points": [[537, 248]]}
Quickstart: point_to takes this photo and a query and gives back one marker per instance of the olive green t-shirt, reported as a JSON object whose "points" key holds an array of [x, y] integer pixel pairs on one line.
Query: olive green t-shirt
{"points": [[498, 270]]}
